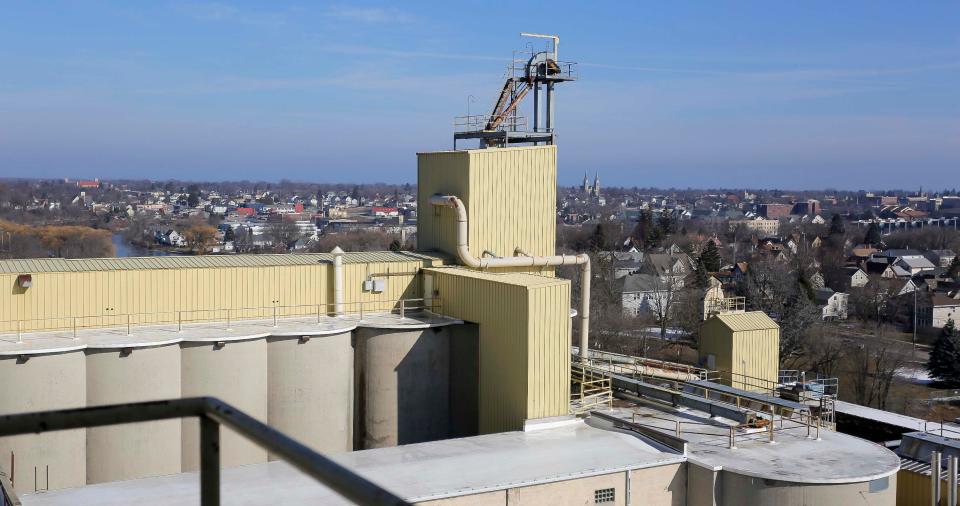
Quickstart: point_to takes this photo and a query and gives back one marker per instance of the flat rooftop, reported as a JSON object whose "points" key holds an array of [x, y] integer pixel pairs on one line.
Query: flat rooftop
{"points": [[114, 337], [417, 472], [835, 458]]}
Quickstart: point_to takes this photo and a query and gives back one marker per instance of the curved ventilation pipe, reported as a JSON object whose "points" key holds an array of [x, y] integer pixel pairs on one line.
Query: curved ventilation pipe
{"points": [[522, 259], [337, 280]]}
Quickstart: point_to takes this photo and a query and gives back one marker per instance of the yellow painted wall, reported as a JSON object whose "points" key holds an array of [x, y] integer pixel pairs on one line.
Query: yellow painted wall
{"points": [[751, 355], [913, 488], [524, 326], [200, 293], [510, 195]]}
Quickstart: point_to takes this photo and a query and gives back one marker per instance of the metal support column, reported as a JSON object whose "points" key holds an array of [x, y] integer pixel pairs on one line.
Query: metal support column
{"points": [[549, 118], [935, 479], [536, 107], [209, 462], [952, 480]]}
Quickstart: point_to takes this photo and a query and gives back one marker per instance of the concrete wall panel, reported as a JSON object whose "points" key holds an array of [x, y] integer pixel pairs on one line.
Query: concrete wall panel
{"points": [[129, 451], [235, 373], [402, 386], [310, 390], [37, 383]]}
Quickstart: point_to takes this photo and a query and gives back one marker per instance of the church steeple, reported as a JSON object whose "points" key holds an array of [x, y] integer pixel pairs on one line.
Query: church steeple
{"points": [[596, 185], [586, 183]]}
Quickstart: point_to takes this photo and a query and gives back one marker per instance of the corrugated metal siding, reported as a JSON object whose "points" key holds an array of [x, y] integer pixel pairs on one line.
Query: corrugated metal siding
{"points": [[913, 484], [57, 297], [510, 195], [751, 320], [35, 265], [744, 344], [524, 325]]}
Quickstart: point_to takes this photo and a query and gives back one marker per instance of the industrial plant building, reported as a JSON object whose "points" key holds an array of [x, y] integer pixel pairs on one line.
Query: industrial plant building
{"points": [[457, 374]]}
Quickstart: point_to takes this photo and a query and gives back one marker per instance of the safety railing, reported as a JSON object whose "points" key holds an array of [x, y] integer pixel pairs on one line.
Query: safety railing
{"points": [[479, 122], [212, 413], [228, 316], [769, 425], [594, 391]]}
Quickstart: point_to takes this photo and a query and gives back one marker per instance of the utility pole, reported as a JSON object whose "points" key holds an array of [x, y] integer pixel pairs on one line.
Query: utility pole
{"points": [[915, 320]]}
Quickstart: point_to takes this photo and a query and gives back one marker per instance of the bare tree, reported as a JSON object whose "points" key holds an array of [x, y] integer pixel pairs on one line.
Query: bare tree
{"points": [[873, 367]]}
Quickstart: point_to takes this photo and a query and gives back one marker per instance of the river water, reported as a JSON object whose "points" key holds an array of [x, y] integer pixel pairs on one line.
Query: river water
{"points": [[125, 249]]}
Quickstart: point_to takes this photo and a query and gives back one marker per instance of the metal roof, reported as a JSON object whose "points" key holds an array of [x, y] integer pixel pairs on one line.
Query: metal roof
{"points": [[34, 265], [507, 277], [751, 320]]}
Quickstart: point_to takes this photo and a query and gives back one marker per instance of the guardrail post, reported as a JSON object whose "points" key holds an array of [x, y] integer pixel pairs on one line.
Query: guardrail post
{"points": [[318, 314], [209, 462], [732, 443], [403, 309], [74, 327], [228, 319], [772, 416], [274, 316], [19, 331], [128, 324], [179, 321]]}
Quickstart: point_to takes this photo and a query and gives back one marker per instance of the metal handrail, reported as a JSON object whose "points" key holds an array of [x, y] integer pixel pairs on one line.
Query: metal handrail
{"points": [[212, 413], [129, 320]]}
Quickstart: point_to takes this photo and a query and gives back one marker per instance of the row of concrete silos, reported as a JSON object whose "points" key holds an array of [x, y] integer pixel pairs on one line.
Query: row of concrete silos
{"points": [[302, 384]]}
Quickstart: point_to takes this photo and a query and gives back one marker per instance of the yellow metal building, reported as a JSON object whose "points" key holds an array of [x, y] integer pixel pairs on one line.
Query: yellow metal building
{"points": [[524, 326], [104, 291], [746, 346], [510, 195]]}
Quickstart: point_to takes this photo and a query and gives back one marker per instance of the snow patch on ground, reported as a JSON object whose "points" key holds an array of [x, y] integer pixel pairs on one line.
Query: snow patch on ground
{"points": [[914, 375]]}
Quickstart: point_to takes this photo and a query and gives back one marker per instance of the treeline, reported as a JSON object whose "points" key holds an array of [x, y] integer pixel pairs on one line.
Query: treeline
{"points": [[62, 241]]}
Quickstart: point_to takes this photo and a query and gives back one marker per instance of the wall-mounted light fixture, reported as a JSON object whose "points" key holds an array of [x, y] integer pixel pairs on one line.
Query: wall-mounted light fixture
{"points": [[25, 280]]}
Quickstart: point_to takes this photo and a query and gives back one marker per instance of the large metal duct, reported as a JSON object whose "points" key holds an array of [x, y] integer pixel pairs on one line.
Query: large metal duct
{"points": [[521, 259]]}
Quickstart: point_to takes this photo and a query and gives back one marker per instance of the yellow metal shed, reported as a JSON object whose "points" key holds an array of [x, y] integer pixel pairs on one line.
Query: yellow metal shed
{"points": [[745, 347]]}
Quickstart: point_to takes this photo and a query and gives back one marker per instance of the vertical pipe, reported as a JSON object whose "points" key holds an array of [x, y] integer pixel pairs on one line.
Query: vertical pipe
{"points": [[952, 480], [935, 479], [209, 462], [337, 281], [549, 118], [536, 106], [585, 309]]}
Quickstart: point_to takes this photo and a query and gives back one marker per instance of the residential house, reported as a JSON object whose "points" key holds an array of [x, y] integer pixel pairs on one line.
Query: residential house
{"points": [[856, 277], [623, 263], [833, 305], [944, 309], [940, 257]]}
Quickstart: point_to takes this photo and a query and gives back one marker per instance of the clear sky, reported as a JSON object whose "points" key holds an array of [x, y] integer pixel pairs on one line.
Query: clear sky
{"points": [[761, 94]]}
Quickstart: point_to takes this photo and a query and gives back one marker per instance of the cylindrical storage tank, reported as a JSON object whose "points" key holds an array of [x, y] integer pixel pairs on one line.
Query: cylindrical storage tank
{"points": [[137, 450], [235, 371], [740, 489], [402, 387], [310, 390], [38, 382]]}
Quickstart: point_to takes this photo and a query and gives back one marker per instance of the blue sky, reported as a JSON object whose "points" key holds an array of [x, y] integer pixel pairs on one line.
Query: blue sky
{"points": [[761, 94]]}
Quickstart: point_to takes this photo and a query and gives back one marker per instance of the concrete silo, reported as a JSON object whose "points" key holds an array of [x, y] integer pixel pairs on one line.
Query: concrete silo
{"points": [[118, 374]]}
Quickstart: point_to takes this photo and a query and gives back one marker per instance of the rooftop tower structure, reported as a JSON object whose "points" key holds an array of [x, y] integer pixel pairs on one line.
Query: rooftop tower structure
{"points": [[530, 70]]}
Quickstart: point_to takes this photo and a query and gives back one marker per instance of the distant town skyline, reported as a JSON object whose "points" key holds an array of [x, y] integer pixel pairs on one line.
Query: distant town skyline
{"points": [[805, 96]]}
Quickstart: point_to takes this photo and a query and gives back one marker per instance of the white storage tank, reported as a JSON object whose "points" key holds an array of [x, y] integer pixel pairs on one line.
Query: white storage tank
{"points": [[310, 389], [402, 389], [235, 371], [133, 374], [37, 380]]}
